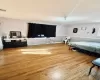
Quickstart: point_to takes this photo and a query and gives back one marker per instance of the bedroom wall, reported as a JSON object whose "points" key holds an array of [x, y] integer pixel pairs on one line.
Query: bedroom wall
{"points": [[82, 34], [8, 25]]}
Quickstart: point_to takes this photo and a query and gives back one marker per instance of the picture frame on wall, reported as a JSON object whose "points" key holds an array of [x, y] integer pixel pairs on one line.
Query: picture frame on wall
{"points": [[75, 30], [83, 28], [93, 30], [98, 34]]}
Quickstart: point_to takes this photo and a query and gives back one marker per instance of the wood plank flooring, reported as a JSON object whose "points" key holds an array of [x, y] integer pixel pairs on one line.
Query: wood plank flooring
{"points": [[45, 62]]}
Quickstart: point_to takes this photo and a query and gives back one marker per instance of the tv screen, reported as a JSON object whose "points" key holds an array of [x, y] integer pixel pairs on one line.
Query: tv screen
{"points": [[41, 30]]}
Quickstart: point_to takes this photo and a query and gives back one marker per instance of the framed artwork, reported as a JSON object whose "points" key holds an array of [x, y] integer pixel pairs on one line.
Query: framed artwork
{"points": [[75, 30], [93, 30], [83, 28]]}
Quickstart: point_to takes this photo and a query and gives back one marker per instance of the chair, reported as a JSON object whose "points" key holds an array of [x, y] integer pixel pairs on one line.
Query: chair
{"points": [[95, 63], [67, 40]]}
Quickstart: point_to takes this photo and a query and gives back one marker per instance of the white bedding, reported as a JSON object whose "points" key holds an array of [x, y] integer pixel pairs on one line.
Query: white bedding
{"points": [[90, 46]]}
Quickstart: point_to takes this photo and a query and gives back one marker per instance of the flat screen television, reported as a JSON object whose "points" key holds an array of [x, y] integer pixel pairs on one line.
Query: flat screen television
{"points": [[41, 30]]}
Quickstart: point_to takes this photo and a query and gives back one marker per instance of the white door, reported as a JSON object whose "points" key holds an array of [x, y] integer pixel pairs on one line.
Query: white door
{"points": [[1, 45]]}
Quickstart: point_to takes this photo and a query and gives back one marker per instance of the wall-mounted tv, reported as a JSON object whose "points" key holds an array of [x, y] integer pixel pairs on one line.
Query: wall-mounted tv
{"points": [[41, 30]]}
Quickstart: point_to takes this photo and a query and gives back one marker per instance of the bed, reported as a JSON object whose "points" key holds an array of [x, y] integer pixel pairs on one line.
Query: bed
{"points": [[89, 46]]}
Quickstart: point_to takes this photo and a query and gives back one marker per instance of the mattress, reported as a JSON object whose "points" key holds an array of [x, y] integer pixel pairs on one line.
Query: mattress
{"points": [[89, 46]]}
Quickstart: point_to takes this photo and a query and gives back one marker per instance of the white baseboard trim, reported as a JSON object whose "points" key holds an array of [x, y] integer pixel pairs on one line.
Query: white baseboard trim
{"points": [[45, 43]]}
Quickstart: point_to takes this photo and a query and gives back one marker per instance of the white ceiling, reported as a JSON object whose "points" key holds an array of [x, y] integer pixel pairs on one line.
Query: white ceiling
{"points": [[76, 11]]}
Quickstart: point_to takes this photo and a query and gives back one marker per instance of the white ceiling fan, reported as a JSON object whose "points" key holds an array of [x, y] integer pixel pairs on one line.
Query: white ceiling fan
{"points": [[3, 10]]}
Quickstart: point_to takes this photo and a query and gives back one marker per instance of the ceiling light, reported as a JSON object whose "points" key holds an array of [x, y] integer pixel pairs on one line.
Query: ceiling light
{"points": [[65, 17]]}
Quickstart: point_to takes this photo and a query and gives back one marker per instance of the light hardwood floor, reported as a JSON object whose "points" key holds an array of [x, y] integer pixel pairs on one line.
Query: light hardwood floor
{"points": [[45, 62]]}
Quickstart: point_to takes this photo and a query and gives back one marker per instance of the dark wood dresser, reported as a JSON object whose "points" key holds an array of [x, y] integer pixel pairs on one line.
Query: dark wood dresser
{"points": [[12, 43]]}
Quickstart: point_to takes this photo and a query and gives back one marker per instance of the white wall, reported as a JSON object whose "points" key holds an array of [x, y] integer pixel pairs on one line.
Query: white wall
{"points": [[8, 25], [87, 34]]}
